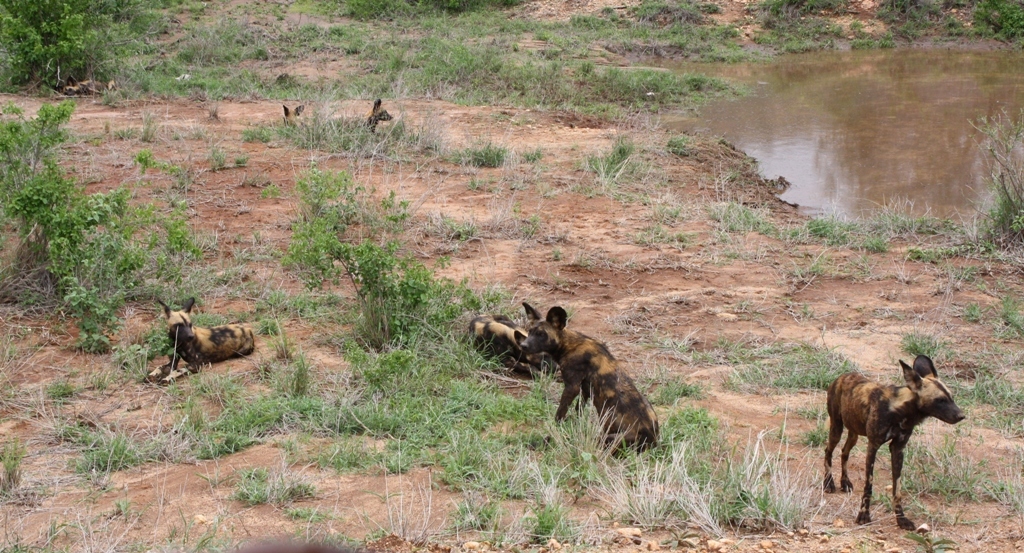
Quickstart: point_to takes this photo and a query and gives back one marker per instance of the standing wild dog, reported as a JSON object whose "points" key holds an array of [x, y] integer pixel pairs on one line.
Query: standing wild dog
{"points": [[884, 414], [376, 115], [290, 115], [495, 335], [199, 346], [590, 371]]}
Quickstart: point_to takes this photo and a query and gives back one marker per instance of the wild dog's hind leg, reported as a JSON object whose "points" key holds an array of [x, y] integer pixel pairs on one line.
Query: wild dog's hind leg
{"points": [[864, 516], [844, 481], [835, 432]]}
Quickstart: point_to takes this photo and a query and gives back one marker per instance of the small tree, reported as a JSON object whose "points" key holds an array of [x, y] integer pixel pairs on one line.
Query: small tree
{"points": [[1004, 144]]}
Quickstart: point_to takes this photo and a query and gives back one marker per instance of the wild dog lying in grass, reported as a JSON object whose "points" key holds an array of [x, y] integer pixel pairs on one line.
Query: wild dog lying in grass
{"points": [[376, 115], [495, 336], [200, 346], [884, 414], [590, 371], [86, 88], [290, 115]]}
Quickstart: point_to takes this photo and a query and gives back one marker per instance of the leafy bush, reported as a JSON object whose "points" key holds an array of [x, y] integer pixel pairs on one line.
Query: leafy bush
{"points": [[398, 296], [1004, 144], [47, 41], [1005, 18], [88, 251]]}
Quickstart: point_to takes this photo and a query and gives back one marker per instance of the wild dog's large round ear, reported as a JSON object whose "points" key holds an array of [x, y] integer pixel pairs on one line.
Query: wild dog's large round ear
{"points": [[285, 110], [531, 313], [187, 306], [376, 105], [924, 367], [300, 109], [557, 317], [167, 310], [519, 337], [911, 376]]}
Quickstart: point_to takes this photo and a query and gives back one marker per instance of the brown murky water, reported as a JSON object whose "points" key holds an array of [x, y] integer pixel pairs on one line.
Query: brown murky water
{"points": [[855, 130]]}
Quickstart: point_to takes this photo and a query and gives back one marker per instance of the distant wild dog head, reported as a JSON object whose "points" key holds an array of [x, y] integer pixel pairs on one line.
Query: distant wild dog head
{"points": [[290, 115], [884, 414], [376, 115], [179, 323], [495, 335], [198, 346]]}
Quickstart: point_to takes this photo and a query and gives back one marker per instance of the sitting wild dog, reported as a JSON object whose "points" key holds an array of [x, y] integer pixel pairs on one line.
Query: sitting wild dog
{"points": [[495, 335], [199, 346], [290, 115], [884, 414], [86, 88], [376, 115], [589, 370]]}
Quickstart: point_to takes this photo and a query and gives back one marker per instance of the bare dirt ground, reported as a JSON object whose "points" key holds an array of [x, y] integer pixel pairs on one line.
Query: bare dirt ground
{"points": [[585, 255]]}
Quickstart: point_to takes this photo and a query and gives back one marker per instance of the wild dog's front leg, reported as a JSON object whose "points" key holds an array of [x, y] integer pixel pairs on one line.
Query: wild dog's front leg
{"points": [[896, 450], [569, 393], [864, 516]]}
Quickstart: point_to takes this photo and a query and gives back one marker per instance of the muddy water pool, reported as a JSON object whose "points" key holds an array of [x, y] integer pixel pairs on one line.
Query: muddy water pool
{"points": [[855, 130]]}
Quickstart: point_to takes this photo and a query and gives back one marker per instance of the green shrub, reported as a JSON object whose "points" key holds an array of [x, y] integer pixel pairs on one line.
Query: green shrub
{"points": [[47, 41], [89, 251], [1005, 18], [1004, 142], [680, 146], [489, 155]]}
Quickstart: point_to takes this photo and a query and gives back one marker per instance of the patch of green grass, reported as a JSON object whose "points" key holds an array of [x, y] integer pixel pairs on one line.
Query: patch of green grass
{"points": [[11, 457], [672, 390], [817, 436], [109, 453], [680, 146], [657, 234], [487, 155], [946, 470], [736, 217], [1011, 321], [533, 156], [615, 164], [348, 454], [972, 313], [920, 343], [310, 515], [258, 486], [477, 512], [551, 521], [792, 367], [831, 230], [60, 390], [258, 134], [875, 244]]}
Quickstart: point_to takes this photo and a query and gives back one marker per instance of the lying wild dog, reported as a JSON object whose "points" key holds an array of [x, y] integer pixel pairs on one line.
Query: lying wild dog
{"points": [[290, 115], [495, 335], [86, 88], [884, 414], [589, 370], [199, 346], [376, 115]]}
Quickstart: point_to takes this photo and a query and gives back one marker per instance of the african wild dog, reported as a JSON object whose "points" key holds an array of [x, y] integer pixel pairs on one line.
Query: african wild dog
{"points": [[290, 115], [376, 115], [199, 346], [86, 87], [884, 414], [495, 336], [589, 370]]}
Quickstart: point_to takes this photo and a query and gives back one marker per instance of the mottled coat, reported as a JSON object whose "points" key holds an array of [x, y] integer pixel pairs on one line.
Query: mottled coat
{"points": [[885, 414], [495, 335], [589, 371], [376, 115], [199, 346]]}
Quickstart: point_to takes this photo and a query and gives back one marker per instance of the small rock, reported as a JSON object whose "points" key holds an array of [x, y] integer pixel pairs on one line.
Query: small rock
{"points": [[471, 545], [726, 541], [767, 544], [804, 532], [653, 546], [894, 550], [824, 538], [200, 519], [629, 532], [845, 550], [790, 534], [726, 316], [923, 528], [554, 545], [714, 545], [838, 523]]}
